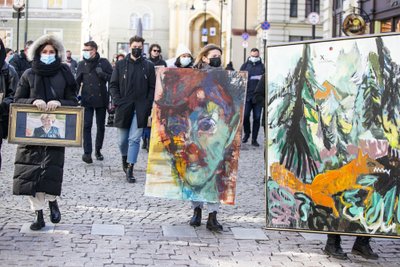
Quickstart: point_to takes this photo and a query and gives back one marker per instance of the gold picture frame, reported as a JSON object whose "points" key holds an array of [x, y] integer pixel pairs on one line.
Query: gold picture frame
{"points": [[30, 126]]}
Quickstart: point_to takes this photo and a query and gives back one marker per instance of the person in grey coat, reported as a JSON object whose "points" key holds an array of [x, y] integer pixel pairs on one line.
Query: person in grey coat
{"points": [[49, 84]]}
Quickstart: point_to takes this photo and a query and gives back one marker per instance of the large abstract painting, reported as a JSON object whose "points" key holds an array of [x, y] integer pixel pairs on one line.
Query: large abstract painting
{"points": [[333, 136], [195, 136]]}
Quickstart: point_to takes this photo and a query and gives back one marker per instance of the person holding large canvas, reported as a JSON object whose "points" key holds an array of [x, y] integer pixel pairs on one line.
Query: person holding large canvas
{"points": [[48, 85]]}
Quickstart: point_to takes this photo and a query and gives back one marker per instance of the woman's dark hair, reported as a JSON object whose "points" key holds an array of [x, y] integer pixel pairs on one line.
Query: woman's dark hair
{"points": [[40, 48], [154, 45]]}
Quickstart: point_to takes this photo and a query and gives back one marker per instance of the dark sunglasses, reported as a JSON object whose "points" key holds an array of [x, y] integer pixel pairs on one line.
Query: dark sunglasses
{"points": [[157, 51]]}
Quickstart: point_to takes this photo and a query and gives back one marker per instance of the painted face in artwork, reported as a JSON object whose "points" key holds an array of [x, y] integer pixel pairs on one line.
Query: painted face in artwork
{"points": [[200, 135]]}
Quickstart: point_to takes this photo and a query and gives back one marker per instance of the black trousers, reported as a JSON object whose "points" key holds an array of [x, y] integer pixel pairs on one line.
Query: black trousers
{"points": [[87, 129], [257, 109]]}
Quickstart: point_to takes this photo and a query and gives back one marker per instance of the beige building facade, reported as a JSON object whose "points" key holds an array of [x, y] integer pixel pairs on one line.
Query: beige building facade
{"points": [[60, 17], [110, 23]]}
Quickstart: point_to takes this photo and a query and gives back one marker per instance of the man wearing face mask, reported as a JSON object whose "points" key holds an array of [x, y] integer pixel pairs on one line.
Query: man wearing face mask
{"points": [[73, 65], [255, 69], [93, 74], [20, 62], [132, 89]]}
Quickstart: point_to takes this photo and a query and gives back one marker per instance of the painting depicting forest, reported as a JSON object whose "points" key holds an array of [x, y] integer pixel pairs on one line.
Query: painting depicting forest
{"points": [[333, 136]]}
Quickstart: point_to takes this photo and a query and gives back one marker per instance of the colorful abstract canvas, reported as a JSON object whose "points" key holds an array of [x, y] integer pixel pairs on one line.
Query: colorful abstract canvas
{"points": [[333, 136], [195, 135]]}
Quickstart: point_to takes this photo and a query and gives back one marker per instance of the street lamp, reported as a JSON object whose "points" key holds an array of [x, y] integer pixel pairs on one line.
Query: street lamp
{"points": [[204, 31], [222, 2], [18, 6]]}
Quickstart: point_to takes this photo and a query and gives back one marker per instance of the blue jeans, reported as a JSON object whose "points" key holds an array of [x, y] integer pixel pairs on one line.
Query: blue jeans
{"points": [[87, 128], [257, 109], [146, 133], [129, 141]]}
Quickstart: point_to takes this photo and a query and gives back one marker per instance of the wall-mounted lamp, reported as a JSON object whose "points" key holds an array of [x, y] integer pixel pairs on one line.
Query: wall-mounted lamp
{"points": [[192, 7]]}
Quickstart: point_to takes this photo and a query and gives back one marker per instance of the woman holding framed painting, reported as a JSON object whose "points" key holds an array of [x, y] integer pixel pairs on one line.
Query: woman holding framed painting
{"points": [[48, 85]]}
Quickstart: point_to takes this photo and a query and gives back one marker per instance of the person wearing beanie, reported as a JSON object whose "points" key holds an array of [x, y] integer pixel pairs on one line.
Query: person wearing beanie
{"points": [[184, 58]]}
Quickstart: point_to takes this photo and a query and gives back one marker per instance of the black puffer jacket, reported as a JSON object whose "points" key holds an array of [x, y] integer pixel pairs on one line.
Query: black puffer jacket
{"points": [[94, 76], [40, 168], [132, 88]]}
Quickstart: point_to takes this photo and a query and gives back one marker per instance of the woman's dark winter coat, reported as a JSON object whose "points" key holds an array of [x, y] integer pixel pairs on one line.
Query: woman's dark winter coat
{"points": [[94, 74], [40, 168], [132, 88]]}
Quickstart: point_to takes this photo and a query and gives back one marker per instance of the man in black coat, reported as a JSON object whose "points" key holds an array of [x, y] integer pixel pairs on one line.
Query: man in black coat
{"points": [[255, 69], [20, 62], [73, 65], [92, 76], [132, 88]]}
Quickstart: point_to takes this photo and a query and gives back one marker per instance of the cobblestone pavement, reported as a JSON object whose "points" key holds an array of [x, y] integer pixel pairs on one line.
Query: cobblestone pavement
{"points": [[98, 195]]}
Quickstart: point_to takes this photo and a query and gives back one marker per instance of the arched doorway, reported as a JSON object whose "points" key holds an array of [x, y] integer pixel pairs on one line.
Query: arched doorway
{"points": [[213, 32]]}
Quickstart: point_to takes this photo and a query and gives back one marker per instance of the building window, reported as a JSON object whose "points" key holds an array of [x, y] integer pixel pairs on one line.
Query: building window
{"points": [[146, 21], [55, 4], [397, 24], [56, 32], [337, 25], [293, 8], [309, 6], [390, 25], [6, 3], [296, 38], [6, 36], [133, 21]]}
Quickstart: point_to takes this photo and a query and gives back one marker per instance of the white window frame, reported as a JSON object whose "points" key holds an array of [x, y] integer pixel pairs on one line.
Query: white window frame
{"points": [[51, 30], [46, 5]]}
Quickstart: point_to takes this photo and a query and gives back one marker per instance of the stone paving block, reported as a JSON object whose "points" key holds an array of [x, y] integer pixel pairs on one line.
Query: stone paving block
{"points": [[48, 229], [107, 229], [179, 231], [314, 237], [248, 233]]}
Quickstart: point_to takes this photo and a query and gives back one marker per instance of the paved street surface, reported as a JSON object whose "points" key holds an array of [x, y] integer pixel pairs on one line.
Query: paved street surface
{"points": [[108, 222]]}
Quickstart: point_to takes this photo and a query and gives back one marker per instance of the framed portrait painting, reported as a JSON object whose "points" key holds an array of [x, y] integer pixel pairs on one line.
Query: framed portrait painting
{"points": [[62, 127], [196, 133]]}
